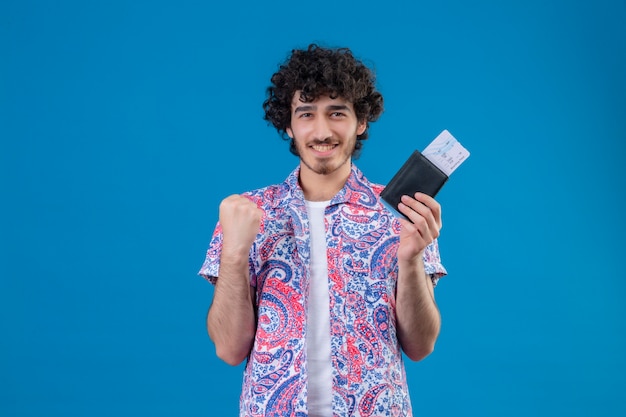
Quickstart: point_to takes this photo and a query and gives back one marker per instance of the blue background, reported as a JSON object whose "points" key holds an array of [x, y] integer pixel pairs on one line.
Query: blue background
{"points": [[123, 124]]}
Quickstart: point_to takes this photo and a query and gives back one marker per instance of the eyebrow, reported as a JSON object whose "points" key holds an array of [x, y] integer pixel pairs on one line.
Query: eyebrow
{"points": [[312, 107]]}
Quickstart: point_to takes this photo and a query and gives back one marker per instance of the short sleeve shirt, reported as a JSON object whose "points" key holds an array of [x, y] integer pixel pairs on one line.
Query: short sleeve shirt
{"points": [[362, 238]]}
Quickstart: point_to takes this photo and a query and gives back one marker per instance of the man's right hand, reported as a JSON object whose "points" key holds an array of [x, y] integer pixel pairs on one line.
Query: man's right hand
{"points": [[231, 320], [240, 219]]}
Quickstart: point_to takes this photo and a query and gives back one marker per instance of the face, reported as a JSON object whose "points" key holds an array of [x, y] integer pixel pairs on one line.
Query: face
{"points": [[324, 132]]}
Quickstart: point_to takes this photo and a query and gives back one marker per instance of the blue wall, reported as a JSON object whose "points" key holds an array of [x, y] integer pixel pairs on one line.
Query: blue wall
{"points": [[123, 124]]}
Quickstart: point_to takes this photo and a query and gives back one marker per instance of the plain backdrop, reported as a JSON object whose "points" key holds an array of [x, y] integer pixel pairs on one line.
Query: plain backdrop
{"points": [[124, 123]]}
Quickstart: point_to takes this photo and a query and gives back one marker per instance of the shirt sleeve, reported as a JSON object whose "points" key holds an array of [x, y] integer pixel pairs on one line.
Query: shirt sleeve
{"points": [[432, 259], [211, 267], [432, 262]]}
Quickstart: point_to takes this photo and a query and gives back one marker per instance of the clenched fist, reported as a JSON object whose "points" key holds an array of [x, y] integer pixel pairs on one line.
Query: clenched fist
{"points": [[240, 219]]}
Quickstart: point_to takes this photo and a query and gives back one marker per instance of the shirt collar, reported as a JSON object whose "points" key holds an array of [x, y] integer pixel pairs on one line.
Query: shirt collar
{"points": [[356, 191]]}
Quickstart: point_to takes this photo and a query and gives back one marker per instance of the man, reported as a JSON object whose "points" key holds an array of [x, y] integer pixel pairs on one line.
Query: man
{"points": [[320, 286]]}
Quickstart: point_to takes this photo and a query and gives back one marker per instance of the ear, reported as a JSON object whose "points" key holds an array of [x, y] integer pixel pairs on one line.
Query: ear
{"points": [[290, 132], [361, 127]]}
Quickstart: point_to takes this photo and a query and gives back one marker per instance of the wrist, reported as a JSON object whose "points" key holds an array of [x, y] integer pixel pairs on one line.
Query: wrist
{"points": [[234, 250], [416, 260]]}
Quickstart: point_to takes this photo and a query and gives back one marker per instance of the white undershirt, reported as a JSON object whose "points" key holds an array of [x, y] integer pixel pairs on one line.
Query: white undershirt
{"points": [[318, 318]]}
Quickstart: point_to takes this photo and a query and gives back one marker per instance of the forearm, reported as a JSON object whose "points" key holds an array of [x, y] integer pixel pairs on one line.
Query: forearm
{"points": [[418, 319], [231, 320]]}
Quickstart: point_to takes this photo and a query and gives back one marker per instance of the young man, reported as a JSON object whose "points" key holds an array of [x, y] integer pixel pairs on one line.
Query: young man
{"points": [[317, 283]]}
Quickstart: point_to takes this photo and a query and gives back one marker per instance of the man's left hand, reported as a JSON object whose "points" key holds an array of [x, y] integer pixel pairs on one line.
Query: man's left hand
{"points": [[425, 215]]}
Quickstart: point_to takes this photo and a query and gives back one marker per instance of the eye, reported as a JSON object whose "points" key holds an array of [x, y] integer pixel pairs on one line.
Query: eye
{"points": [[337, 114]]}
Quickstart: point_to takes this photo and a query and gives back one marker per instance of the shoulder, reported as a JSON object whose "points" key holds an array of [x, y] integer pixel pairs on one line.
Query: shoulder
{"points": [[377, 188], [268, 197], [359, 190], [370, 194], [275, 195], [358, 180]]}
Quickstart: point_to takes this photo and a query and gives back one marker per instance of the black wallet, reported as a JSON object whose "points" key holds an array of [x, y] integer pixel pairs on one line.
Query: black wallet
{"points": [[417, 174]]}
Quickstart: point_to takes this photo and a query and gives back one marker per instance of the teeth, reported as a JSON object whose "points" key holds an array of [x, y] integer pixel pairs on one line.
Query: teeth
{"points": [[323, 148]]}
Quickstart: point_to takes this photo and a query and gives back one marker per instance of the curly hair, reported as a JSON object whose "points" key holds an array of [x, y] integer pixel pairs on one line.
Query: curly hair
{"points": [[319, 71]]}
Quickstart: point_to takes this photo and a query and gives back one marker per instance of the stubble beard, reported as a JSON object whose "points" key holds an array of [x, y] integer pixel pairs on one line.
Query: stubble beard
{"points": [[324, 166]]}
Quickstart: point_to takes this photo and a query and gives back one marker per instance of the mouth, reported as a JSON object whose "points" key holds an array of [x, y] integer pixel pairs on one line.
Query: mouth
{"points": [[324, 147]]}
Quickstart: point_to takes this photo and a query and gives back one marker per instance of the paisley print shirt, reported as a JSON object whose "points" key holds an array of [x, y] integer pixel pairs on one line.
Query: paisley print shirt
{"points": [[362, 238]]}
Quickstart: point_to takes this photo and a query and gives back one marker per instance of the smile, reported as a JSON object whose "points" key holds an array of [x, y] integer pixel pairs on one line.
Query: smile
{"points": [[323, 148]]}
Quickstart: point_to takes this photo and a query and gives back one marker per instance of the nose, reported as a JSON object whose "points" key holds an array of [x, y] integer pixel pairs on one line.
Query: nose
{"points": [[321, 129]]}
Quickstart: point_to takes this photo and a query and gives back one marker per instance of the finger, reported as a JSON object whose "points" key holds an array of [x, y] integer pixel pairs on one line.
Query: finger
{"points": [[239, 202], [432, 215], [432, 204], [422, 210], [239, 211], [417, 223], [411, 239]]}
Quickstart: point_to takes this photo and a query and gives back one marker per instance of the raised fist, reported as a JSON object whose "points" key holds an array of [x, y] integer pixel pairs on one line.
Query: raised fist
{"points": [[240, 219]]}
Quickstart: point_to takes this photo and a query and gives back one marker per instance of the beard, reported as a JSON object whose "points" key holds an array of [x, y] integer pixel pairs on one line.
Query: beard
{"points": [[323, 166]]}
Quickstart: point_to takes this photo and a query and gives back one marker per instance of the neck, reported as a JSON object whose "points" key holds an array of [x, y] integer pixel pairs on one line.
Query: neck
{"points": [[323, 187]]}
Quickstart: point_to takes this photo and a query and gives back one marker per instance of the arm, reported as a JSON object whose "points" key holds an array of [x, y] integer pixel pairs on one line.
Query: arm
{"points": [[417, 315], [231, 319]]}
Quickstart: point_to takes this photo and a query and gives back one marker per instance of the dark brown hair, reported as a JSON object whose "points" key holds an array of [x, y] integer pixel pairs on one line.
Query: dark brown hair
{"points": [[318, 71]]}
